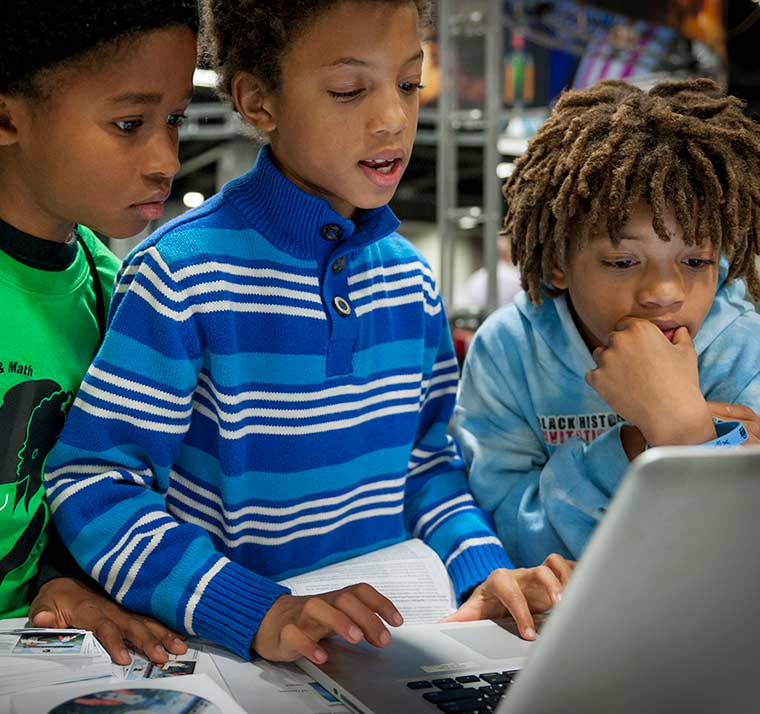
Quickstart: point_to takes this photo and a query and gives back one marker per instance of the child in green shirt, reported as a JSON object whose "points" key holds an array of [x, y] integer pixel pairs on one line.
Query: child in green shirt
{"points": [[91, 98]]}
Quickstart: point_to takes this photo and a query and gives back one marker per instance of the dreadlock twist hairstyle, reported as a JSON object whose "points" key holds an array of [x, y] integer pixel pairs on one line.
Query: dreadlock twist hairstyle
{"points": [[682, 145], [254, 35]]}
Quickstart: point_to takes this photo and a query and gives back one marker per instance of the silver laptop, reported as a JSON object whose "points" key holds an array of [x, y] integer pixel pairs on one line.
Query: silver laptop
{"points": [[662, 614]]}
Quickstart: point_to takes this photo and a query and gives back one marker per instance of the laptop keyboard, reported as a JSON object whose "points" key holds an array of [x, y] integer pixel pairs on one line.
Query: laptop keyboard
{"points": [[468, 694]]}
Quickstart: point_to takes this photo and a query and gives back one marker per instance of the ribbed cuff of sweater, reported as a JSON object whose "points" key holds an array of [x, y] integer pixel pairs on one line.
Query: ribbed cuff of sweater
{"points": [[474, 565], [232, 607]]}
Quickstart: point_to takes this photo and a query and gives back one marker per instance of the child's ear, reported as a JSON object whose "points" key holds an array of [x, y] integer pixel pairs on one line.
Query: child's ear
{"points": [[559, 279], [252, 101], [8, 130]]}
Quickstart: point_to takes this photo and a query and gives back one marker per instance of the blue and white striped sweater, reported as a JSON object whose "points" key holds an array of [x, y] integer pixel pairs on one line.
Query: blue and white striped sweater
{"points": [[236, 429]]}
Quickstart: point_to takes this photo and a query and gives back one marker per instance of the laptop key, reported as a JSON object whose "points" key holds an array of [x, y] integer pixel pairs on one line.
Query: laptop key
{"points": [[452, 695], [468, 678], [420, 684], [446, 683], [465, 707], [497, 677], [490, 690]]}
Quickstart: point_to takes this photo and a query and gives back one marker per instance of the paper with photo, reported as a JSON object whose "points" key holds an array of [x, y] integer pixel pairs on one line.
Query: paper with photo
{"points": [[39, 641], [37, 657], [195, 661], [195, 693]]}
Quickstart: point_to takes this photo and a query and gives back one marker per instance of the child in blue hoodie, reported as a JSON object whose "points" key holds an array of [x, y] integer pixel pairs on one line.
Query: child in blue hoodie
{"points": [[635, 220]]}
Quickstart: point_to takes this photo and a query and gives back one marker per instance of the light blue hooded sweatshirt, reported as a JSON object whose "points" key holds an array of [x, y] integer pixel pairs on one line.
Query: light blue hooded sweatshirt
{"points": [[542, 447]]}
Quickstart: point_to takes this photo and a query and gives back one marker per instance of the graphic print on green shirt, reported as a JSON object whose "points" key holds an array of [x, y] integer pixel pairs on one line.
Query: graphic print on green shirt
{"points": [[33, 413]]}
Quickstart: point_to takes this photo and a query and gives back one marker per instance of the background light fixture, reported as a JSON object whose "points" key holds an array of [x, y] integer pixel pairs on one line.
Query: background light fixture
{"points": [[193, 199]]}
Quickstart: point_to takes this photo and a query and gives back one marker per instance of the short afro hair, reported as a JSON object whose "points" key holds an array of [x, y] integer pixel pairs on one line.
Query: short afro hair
{"points": [[254, 35], [35, 38]]}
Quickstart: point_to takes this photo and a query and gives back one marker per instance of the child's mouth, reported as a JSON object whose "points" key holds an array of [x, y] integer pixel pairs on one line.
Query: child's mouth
{"points": [[383, 173], [669, 330], [384, 167]]}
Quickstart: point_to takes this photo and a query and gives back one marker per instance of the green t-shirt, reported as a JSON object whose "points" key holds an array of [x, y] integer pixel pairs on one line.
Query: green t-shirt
{"points": [[48, 335]]}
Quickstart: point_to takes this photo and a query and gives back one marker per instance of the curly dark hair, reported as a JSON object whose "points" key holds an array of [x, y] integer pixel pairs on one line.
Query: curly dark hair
{"points": [[36, 41], [253, 35], [683, 145]]}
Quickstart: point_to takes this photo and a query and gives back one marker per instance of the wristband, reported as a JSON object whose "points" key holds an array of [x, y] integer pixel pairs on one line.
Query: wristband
{"points": [[730, 433]]}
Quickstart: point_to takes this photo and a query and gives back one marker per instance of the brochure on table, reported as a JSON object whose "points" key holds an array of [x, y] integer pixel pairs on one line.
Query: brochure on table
{"points": [[194, 693], [259, 687]]}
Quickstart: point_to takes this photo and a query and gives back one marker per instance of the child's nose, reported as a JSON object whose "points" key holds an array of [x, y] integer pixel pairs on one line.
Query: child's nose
{"points": [[389, 113], [663, 288], [162, 156]]}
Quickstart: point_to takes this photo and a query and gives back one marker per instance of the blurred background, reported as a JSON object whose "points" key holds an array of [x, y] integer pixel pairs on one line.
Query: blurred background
{"points": [[493, 69]]}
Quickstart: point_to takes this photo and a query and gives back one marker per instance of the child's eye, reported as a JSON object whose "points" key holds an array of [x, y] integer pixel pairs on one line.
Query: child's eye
{"points": [[128, 125], [410, 87], [346, 96], [698, 263], [620, 264], [176, 119]]}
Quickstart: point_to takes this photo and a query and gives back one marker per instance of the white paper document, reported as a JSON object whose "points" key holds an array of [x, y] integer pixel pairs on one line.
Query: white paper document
{"points": [[410, 574], [262, 687]]}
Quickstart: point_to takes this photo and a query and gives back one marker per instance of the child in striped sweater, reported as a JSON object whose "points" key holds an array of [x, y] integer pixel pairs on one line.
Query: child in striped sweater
{"points": [[274, 390]]}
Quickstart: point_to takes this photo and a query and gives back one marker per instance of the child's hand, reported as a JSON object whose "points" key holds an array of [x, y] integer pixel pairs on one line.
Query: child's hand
{"points": [[65, 602], [295, 624], [738, 412], [518, 593], [653, 383]]}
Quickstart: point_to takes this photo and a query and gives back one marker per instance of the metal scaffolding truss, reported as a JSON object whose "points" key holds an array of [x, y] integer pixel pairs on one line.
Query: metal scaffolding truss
{"points": [[458, 19]]}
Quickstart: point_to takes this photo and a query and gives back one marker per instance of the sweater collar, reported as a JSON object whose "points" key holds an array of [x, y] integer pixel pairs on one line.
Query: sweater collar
{"points": [[296, 221]]}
